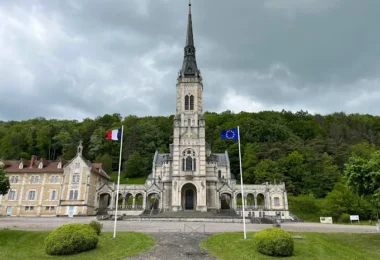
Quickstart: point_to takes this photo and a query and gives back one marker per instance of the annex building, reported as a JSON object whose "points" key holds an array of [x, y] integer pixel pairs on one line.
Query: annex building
{"points": [[189, 178], [40, 187]]}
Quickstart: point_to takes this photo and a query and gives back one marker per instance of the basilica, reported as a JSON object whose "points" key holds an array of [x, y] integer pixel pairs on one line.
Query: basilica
{"points": [[188, 178], [191, 177]]}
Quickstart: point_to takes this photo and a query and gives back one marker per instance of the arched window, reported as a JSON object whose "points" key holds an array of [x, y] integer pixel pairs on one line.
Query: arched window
{"points": [[189, 162], [191, 102], [219, 174], [187, 102]]}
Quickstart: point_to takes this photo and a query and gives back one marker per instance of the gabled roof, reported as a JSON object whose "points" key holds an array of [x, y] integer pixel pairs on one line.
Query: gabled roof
{"points": [[94, 167], [31, 166]]}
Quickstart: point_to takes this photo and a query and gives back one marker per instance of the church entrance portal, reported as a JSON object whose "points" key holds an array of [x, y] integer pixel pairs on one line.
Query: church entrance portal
{"points": [[189, 197], [189, 200]]}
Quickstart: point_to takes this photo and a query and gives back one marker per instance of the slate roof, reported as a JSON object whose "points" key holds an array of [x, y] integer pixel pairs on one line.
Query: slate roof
{"points": [[189, 66], [222, 159], [162, 157]]}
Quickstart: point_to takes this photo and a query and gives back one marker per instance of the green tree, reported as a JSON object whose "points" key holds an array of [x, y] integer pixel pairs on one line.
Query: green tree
{"points": [[267, 171], [294, 169], [249, 161], [106, 160], [363, 175], [133, 166], [339, 201], [4, 182]]}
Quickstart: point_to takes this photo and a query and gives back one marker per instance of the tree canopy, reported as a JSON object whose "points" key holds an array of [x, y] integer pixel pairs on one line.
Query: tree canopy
{"points": [[4, 182], [307, 152]]}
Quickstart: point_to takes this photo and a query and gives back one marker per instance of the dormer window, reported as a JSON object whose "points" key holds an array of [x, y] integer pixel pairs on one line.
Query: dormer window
{"points": [[21, 165], [59, 165], [40, 165]]}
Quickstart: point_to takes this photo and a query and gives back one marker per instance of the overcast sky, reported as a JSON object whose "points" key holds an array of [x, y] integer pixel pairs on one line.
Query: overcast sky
{"points": [[75, 59]]}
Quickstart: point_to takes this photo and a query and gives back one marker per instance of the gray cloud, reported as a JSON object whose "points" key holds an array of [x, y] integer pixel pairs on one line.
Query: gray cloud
{"points": [[74, 59]]}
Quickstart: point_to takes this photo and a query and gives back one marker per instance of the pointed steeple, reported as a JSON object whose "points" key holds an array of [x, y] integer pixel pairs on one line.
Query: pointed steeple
{"points": [[189, 66]]}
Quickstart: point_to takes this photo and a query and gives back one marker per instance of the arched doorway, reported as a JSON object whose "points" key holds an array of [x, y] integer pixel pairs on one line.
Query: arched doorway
{"points": [[189, 197], [225, 201], [260, 200], [104, 201], [153, 201]]}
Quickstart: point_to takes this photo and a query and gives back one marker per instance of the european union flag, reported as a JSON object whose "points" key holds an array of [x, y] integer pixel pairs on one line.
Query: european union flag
{"points": [[230, 134]]}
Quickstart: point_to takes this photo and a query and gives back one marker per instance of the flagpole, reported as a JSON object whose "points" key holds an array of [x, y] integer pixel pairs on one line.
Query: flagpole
{"points": [[241, 184], [118, 181]]}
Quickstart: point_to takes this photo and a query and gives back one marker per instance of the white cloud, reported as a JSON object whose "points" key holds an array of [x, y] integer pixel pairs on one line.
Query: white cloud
{"points": [[237, 103]]}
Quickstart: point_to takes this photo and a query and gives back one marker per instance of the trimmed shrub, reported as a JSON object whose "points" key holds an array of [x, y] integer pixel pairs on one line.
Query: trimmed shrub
{"points": [[274, 242], [96, 226], [71, 239]]}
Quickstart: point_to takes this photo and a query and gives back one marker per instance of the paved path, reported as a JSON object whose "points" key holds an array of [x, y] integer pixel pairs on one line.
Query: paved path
{"points": [[176, 246], [35, 223]]}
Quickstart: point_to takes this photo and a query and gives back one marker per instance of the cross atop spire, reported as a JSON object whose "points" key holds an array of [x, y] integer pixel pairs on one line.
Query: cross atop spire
{"points": [[189, 66]]}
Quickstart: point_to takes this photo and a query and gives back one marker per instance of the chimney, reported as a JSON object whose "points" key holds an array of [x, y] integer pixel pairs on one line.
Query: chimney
{"points": [[34, 158]]}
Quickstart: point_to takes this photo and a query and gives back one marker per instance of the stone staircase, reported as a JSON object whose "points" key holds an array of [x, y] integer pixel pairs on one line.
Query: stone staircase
{"points": [[188, 214]]}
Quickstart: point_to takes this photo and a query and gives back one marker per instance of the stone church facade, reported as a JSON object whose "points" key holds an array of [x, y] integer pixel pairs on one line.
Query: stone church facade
{"points": [[191, 177]]}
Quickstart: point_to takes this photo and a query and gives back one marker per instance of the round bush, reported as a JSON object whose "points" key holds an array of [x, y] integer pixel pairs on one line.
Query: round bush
{"points": [[274, 242], [96, 226], [71, 239]]}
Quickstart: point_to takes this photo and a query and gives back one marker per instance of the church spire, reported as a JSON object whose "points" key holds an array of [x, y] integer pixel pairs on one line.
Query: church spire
{"points": [[189, 66], [189, 36]]}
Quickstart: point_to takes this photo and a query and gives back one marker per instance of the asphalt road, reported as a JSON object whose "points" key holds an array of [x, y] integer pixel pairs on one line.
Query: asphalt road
{"points": [[36, 223]]}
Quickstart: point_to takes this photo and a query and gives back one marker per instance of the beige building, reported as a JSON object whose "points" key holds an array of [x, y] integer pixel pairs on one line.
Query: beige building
{"points": [[52, 188]]}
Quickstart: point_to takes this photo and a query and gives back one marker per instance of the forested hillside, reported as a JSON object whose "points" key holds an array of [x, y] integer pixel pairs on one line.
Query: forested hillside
{"points": [[306, 151]]}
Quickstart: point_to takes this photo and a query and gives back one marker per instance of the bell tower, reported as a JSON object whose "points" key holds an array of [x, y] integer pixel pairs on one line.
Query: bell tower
{"points": [[189, 145]]}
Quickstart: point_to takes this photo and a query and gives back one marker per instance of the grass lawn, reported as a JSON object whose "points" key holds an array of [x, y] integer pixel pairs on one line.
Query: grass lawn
{"points": [[324, 246], [123, 180], [15, 244]]}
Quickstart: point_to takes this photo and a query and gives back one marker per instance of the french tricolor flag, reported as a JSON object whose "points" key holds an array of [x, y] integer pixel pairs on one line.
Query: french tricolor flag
{"points": [[114, 135]]}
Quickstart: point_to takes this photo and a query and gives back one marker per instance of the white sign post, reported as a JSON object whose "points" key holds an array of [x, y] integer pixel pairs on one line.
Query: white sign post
{"points": [[326, 220], [354, 217]]}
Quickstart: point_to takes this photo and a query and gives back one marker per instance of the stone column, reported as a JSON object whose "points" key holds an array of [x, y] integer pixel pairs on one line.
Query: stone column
{"points": [[113, 200], [255, 198], [134, 202], [123, 203], [286, 200], [144, 201]]}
